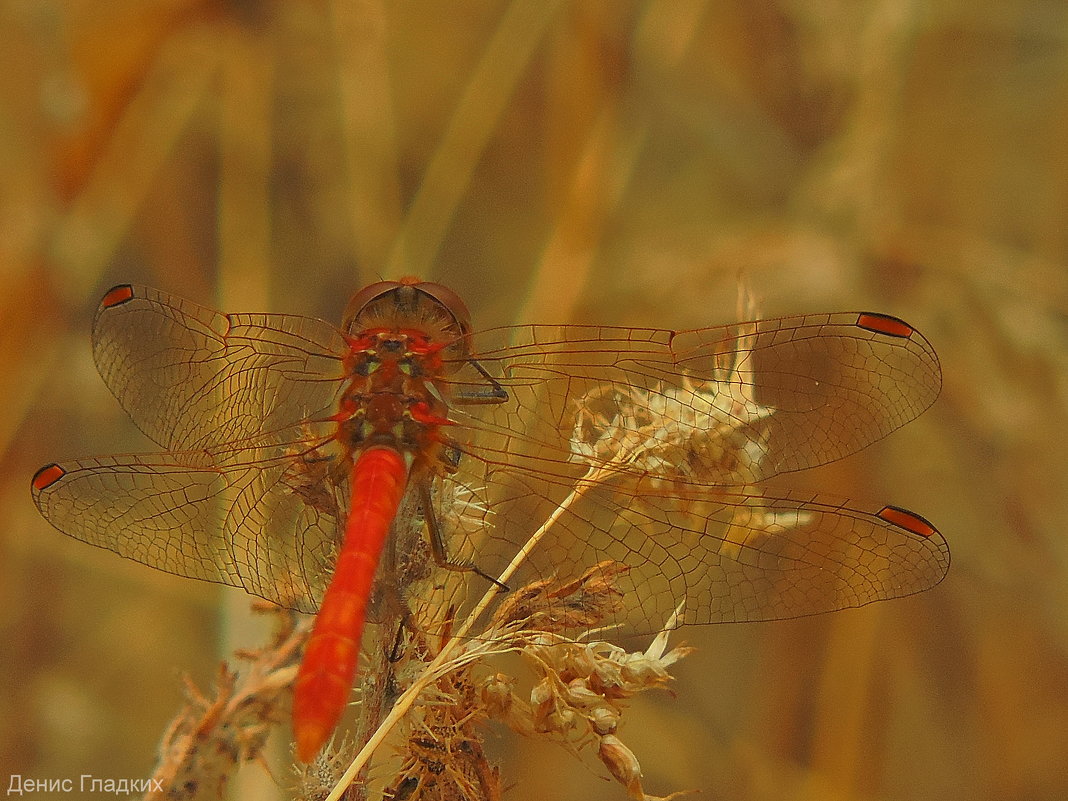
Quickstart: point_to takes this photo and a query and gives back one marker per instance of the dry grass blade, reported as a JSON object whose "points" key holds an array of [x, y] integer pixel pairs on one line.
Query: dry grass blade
{"points": [[476, 117]]}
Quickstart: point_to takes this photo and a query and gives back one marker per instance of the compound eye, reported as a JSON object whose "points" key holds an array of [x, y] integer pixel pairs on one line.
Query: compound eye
{"points": [[388, 298], [450, 301], [364, 298]]}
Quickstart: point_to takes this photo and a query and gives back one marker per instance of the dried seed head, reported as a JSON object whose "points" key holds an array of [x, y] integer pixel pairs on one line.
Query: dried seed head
{"points": [[580, 604], [706, 428], [604, 720], [621, 762], [581, 696], [497, 694]]}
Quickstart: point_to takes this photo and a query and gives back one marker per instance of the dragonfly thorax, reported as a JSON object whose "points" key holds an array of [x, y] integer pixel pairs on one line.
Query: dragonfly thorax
{"points": [[392, 399]]}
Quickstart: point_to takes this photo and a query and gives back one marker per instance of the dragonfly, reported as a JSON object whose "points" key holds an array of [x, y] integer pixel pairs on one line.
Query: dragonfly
{"points": [[312, 464]]}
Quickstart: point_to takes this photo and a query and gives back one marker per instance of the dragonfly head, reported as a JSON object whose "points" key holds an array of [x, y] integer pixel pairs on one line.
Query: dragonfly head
{"points": [[410, 304]]}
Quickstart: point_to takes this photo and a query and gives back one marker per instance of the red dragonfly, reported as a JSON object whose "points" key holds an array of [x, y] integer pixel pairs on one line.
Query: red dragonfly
{"points": [[293, 448]]}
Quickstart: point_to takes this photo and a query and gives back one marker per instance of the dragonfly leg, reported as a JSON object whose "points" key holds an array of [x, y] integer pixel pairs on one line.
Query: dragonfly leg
{"points": [[396, 653], [437, 543], [494, 393]]}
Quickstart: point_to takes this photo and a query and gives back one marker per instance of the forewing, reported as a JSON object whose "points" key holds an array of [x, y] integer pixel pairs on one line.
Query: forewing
{"points": [[260, 517], [720, 406], [193, 378]]}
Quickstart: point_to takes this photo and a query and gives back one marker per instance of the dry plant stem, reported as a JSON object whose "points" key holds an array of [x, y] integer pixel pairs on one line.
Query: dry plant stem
{"points": [[443, 757], [435, 669], [375, 680]]}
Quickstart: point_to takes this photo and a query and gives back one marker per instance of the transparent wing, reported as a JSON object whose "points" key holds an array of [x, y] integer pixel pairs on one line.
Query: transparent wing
{"points": [[263, 517], [192, 378], [648, 447]]}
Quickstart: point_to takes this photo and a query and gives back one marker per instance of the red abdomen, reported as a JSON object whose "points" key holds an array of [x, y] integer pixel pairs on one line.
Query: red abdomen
{"points": [[329, 667]]}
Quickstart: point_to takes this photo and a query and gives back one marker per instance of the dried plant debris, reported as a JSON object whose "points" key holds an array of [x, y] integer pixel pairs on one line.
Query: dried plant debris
{"points": [[582, 686], [577, 699], [443, 757], [316, 780], [211, 736]]}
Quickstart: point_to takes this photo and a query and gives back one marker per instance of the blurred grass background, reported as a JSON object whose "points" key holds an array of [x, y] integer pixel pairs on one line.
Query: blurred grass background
{"points": [[607, 162]]}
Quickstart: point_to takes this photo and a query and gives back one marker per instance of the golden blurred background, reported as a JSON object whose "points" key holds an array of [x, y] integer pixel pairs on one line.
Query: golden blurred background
{"points": [[606, 162]]}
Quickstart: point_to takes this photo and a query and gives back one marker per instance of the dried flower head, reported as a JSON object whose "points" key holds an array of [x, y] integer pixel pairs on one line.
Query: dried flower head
{"points": [[704, 430]]}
